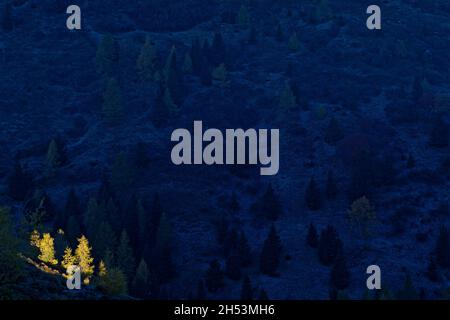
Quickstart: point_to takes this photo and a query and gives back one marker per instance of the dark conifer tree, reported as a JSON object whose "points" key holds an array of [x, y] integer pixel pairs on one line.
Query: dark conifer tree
{"points": [[333, 133], [439, 135], [196, 56], [411, 163], [329, 246], [165, 265], [279, 36], [124, 256], [205, 73], [417, 90], [312, 238], [6, 20], [442, 250], [432, 271], [218, 50], [131, 222], [340, 275], [270, 254], [312, 196], [214, 277], [139, 155], [201, 294], [19, 183], [73, 230], [263, 295], [234, 204], [270, 206], [233, 267], [244, 251], [221, 226], [252, 36], [246, 289], [140, 285], [331, 188], [231, 242]]}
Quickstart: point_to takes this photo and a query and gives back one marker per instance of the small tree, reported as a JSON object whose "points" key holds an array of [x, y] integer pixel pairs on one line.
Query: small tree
{"points": [[287, 99], [333, 132], [113, 283], [270, 205], [112, 103], [246, 289], [187, 63], [243, 17], [362, 215], [312, 238], [442, 249], [220, 74], [340, 275], [122, 173], [329, 246], [124, 256], [11, 265], [214, 277], [141, 281], [69, 259], [270, 254], [84, 258], [47, 249], [107, 55], [312, 196], [19, 183], [53, 156], [147, 62], [331, 188], [294, 43]]}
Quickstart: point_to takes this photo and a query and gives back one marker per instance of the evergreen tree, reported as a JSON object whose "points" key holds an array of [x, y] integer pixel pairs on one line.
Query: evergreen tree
{"points": [[140, 157], [187, 63], [71, 208], [53, 160], [294, 43], [411, 163], [270, 254], [214, 277], [73, 229], [279, 33], [61, 244], [333, 132], [244, 251], [439, 136], [196, 56], [112, 103], [201, 294], [124, 256], [114, 283], [205, 73], [218, 50], [131, 222], [84, 258], [442, 249], [408, 292], [141, 282], [312, 196], [11, 265], [172, 77], [252, 36], [362, 215], [220, 75], [263, 295], [40, 205], [340, 275], [329, 246], [270, 205], [234, 204], [312, 239], [6, 20], [122, 173], [147, 62], [246, 289], [19, 183], [243, 17], [287, 98], [432, 271], [331, 188], [103, 239], [233, 267], [169, 104], [107, 55]]}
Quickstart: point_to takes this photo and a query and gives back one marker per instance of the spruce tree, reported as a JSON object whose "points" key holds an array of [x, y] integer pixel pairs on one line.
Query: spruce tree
{"points": [[439, 136], [218, 50], [107, 55], [140, 286], [246, 289], [172, 77], [287, 98], [312, 196], [53, 160], [331, 189], [124, 256], [312, 238], [294, 43], [244, 251], [11, 265], [112, 103], [103, 239], [122, 173], [187, 63], [147, 62], [114, 283], [19, 183], [196, 56], [411, 163], [243, 17], [270, 205], [233, 267], [263, 295], [270, 254], [214, 277], [333, 133], [205, 73], [329, 246], [6, 20], [362, 215], [340, 275], [442, 249]]}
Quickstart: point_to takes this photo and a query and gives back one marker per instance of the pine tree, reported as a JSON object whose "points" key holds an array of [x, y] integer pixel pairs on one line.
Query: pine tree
{"points": [[312, 238], [112, 103], [147, 62], [411, 163], [270, 205], [107, 55], [312, 196], [442, 249], [53, 160], [246, 289], [169, 104], [124, 256], [214, 277], [270, 254], [71, 208], [408, 292], [84, 258], [287, 98], [294, 43], [114, 283], [439, 136], [218, 50], [172, 77], [47, 249], [19, 183], [244, 251], [122, 173], [233, 267], [11, 265], [131, 222], [362, 215], [331, 187], [196, 56], [340, 275], [201, 294], [103, 239], [69, 259], [6, 20], [333, 132], [141, 282], [187, 63], [220, 75], [243, 17], [263, 295], [329, 246]]}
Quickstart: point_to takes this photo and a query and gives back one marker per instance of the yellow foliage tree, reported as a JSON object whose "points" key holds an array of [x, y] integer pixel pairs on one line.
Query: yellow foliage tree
{"points": [[69, 259], [102, 269], [84, 259], [362, 215], [47, 249]]}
